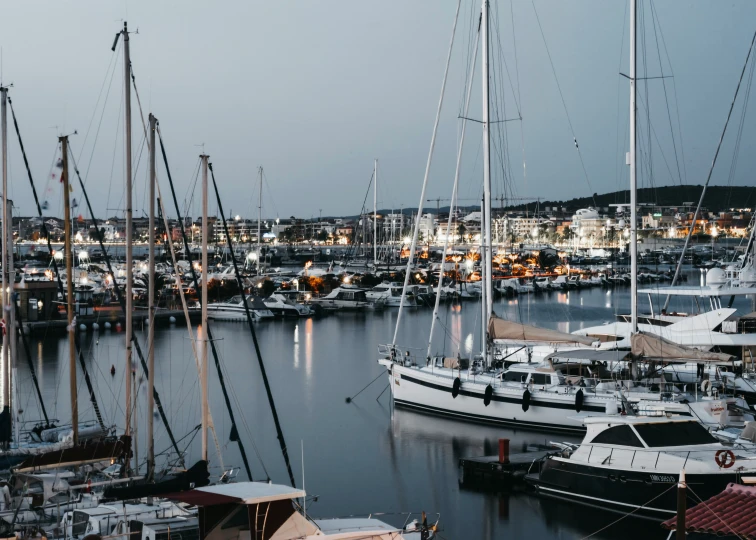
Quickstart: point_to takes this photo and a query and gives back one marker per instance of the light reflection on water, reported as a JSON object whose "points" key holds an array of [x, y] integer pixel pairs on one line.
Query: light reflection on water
{"points": [[364, 456]]}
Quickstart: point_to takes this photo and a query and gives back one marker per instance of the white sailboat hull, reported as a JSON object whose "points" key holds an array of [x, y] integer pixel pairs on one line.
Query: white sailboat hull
{"points": [[422, 389]]}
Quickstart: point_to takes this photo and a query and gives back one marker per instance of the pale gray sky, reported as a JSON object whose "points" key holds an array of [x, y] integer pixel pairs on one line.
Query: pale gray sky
{"points": [[313, 91]]}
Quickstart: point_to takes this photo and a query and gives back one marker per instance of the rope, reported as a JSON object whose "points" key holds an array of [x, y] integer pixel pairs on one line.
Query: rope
{"points": [[602, 529]]}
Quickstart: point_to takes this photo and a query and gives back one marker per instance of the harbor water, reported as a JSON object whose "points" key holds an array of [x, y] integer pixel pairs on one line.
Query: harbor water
{"points": [[358, 457]]}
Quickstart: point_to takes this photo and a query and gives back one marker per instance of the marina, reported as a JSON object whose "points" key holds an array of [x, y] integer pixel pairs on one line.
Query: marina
{"points": [[179, 360]]}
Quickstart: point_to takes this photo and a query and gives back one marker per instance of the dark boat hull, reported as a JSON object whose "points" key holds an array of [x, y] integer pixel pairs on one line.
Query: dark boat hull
{"points": [[645, 493]]}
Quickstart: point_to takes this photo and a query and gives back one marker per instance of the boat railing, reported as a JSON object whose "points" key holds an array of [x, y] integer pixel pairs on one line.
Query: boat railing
{"points": [[407, 518], [654, 455]]}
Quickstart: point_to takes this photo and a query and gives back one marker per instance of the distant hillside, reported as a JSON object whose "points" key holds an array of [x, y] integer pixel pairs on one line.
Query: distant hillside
{"points": [[717, 198]]}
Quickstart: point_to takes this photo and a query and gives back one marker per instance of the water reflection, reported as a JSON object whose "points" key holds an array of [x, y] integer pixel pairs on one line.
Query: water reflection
{"points": [[296, 346]]}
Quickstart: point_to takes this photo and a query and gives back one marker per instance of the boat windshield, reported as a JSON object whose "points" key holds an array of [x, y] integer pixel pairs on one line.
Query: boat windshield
{"points": [[235, 300], [674, 434]]}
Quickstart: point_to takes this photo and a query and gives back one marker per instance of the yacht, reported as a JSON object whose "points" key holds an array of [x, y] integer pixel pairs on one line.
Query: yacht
{"points": [[233, 309], [633, 463], [281, 306], [346, 299], [391, 294]]}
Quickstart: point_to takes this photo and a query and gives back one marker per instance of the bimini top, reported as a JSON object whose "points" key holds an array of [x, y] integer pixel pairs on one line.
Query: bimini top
{"points": [[238, 493]]}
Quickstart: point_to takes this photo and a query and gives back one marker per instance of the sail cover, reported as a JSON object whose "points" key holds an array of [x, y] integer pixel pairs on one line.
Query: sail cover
{"points": [[652, 346], [512, 331]]}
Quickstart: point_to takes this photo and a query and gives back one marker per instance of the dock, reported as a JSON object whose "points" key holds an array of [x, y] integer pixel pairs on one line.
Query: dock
{"points": [[502, 472]]}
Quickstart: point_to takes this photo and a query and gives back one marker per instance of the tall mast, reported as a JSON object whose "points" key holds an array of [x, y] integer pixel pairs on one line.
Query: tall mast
{"points": [[5, 357], [69, 292], [486, 252], [633, 176], [485, 221], [203, 342], [259, 221], [151, 313], [375, 213], [129, 226]]}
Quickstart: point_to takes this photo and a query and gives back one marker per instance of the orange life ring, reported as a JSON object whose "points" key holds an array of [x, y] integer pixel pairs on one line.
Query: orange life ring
{"points": [[725, 458]]}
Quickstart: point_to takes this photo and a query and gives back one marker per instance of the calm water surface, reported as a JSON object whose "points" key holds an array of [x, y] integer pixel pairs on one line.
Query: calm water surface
{"points": [[361, 457]]}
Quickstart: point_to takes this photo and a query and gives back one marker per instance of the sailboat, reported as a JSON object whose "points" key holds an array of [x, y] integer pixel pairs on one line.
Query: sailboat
{"points": [[555, 394]]}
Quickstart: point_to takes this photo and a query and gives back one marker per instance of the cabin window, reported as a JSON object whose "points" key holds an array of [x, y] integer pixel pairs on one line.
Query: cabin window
{"points": [[540, 378], [515, 376], [674, 434], [619, 435], [80, 522]]}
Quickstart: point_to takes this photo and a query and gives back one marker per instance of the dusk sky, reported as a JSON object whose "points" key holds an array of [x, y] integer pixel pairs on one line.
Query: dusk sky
{"points": [[314, 91]]}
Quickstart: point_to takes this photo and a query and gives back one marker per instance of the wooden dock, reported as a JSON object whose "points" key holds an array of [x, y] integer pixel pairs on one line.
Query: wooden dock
{"points": [[502, 472], [113, 316]]}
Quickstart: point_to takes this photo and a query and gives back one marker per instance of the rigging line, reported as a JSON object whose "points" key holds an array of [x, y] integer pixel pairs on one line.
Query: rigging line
{"points": [[674, 92], [264, 374], [503, 59], [46, 234], [453, 199], [658, 142], [416, 231], [102, 114], [519, 97], [564, 104], [711, 169], [121, 302], [620, 165], [113, 159], [196, 284], [244, 421], [738, 138], [664, 86], [186, 310]]}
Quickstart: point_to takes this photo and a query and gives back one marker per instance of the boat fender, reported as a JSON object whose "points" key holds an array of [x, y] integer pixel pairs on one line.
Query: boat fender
{"points": [[488, 395], [725, 458], [706, 386], [89, 486], [526, 400], [579, 396], [455, 387]]}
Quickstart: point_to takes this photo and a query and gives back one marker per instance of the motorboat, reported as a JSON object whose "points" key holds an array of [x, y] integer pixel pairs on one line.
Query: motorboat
{"points": [[281, 306], [346, 299], [234, 310], [391, 294], [633, 463]]}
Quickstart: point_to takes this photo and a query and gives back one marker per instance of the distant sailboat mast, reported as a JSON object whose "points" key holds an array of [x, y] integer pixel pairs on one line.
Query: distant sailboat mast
{"points": [[259, 220], [151, 313]]}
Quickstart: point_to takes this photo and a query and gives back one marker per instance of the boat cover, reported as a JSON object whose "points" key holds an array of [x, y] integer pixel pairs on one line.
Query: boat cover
{"points": [[651, 346], [501, 329]]}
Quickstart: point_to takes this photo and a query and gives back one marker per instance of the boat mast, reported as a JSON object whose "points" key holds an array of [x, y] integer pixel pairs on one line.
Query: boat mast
{"points": [[5, 363], [487, 251], [69, 292], [375, 214], [633, 175], [259, 222], [129, 226], [151, 313], [203, 342]]}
